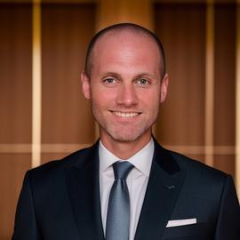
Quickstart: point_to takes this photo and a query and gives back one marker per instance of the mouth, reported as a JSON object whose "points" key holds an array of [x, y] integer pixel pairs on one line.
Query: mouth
{"points": [[126, 114]]}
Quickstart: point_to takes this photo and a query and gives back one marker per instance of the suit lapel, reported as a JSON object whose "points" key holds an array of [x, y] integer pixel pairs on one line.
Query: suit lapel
{"points": [[83, 187], [163, 189]]}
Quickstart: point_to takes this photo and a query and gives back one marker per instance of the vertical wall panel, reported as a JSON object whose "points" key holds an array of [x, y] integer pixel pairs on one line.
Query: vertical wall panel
{"points": [[225, 84], [181, 27], [13, 167], [66, 31], [225, 74], [15, 105], [15, 73], [225, 163], [135, 11]]}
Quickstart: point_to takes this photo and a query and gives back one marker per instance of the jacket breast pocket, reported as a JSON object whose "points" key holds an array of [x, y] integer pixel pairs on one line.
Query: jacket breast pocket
{"points": [[189, 232]]}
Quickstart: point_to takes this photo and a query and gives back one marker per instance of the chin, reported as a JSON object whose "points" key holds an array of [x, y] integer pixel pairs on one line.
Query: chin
{"points": [[126, 135]]}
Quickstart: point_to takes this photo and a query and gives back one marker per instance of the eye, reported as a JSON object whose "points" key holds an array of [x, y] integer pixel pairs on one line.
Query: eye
{"points": [[109, 80], [142, 81]]}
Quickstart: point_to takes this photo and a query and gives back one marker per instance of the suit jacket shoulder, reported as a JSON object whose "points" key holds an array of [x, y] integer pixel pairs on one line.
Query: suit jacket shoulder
{"points": [[196, 167], [80, 159]]}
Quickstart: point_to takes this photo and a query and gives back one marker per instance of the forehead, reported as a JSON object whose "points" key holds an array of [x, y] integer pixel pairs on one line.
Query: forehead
{"points": [[125, 42]]}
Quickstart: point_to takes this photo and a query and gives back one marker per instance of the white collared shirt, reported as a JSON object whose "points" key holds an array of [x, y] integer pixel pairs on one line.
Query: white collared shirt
{"points": [[137, 181]]}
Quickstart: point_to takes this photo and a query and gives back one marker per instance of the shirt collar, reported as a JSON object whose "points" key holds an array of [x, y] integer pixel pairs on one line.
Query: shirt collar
{"points": [[142, 160]]}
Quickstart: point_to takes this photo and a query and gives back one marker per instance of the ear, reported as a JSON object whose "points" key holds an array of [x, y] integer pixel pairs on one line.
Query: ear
{"points": [[164, 88], [85, 85]]}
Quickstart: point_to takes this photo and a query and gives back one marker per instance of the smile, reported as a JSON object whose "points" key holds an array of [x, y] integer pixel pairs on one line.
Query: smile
{"points": [[126, 115]]}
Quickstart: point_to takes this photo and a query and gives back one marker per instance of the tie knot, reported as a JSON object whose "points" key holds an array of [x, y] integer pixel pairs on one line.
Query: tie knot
{"points": [[121, 169]]}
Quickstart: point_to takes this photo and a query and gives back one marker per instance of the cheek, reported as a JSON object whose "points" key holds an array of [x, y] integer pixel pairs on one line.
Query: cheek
{"points": [[102, 98], [150, 99], [104, 94]]}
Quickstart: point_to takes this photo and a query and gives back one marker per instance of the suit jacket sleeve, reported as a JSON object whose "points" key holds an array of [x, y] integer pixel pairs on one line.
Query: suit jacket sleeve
{"points": [[25, 221], [228, 224]]}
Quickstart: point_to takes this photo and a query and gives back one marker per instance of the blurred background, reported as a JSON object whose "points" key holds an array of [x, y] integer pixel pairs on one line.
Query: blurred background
{"points": [[43, 115]]}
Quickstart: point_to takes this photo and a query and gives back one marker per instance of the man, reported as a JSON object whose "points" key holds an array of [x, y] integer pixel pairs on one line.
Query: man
{"points": [[163, 195]]}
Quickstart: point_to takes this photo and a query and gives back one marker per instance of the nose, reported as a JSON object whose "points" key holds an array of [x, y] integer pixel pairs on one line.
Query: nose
{"points": [[127, 96]]}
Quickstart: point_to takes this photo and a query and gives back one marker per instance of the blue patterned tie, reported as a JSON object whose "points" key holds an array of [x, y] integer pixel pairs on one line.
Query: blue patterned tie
{"points": [[118, 216]]}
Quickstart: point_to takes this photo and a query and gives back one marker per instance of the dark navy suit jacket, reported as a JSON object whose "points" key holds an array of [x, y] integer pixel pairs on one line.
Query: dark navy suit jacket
{"points": [[60, 200]]}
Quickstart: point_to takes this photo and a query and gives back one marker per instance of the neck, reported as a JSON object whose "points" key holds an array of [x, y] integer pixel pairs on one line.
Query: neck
{"points": [[125, 149]]}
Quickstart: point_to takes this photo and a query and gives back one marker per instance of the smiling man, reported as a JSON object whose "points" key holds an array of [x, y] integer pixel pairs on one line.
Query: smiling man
{"points": [[126, 186]]}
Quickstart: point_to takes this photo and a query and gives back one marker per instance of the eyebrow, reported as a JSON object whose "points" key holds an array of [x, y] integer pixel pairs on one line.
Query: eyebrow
{"points": [[114, 74], [117, 75]]}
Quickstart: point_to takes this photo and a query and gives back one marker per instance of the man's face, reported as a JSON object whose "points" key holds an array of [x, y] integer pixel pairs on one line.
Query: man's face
{"points": [[125, 87]]}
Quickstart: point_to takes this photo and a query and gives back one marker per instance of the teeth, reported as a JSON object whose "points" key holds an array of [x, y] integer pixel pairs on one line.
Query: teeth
{"points": [[126, 115]]}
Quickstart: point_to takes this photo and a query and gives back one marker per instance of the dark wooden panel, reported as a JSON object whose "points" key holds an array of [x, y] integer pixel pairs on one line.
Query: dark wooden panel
{"points": [[68, 1], [225, 163], [15, 73], [196, 157], [225, 74], [181, 27], [189, 1], [66, 31], [12, 170], [46, 157]]}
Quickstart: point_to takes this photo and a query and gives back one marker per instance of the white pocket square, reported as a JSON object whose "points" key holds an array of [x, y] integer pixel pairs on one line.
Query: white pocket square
{"points": [[181, 222]]}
